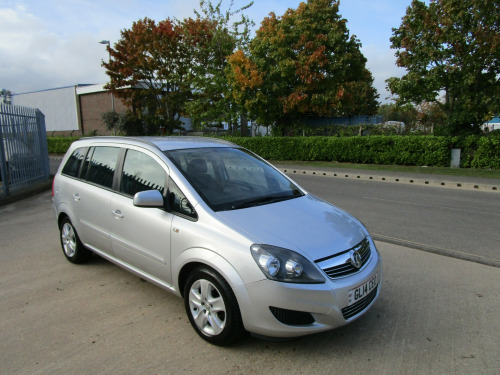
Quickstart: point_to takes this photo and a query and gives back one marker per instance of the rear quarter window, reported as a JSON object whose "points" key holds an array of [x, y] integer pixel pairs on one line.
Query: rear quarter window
{"points": [[72, 166]]}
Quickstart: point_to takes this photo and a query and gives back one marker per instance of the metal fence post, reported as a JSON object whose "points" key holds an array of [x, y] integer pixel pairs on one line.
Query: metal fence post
{"points": [[3, 162], [44, 148]]}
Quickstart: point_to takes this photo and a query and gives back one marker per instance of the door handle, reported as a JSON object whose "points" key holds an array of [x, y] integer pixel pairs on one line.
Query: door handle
{"points": [[76, 196], [118, 214]]}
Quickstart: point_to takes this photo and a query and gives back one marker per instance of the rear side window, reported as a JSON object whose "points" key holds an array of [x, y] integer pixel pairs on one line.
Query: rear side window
{"points": [[101, 165], [72, 166], [141, 172]]}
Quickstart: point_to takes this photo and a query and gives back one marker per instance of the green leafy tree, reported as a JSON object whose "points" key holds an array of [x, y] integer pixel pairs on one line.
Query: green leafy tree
{"points": [[301, 64], [212, 104], [430, 118], [130, 124], [393, 112], [123, 123], [450, 48], [112, 121], [5, 96]]}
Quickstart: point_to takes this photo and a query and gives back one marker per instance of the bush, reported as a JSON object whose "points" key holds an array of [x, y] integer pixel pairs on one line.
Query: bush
{"points": [[487, 154], [389, 150], [59, 145], [477, 151]]}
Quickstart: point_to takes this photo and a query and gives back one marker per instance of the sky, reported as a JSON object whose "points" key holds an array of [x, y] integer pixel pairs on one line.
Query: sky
{"points": [[47, 44]]}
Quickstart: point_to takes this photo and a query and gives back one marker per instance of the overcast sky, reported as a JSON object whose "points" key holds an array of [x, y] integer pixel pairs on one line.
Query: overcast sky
{"points": [[47, 44]]}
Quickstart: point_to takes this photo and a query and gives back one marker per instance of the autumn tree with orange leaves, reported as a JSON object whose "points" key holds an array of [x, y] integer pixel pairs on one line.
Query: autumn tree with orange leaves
{"points": [[302, 64], [151, 65]]}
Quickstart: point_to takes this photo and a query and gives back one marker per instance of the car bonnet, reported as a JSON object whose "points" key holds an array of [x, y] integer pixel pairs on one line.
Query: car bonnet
{"points": [[309, 225]]}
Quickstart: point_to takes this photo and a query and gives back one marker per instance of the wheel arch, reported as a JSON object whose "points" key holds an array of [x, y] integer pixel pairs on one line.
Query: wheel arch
{"points": [[61, 217], [64, 211], [184, 273], [191, 259]]}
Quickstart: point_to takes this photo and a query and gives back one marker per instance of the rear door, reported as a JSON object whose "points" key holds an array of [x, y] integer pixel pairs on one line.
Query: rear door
{"points": [[91, 196]]}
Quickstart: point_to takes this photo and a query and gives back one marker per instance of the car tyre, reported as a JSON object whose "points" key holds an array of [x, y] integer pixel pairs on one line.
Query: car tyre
{"points": [[212, 307], [72, 247]]}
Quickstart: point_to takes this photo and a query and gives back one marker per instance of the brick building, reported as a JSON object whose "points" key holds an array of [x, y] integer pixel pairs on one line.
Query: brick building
{"points": [[72, 110], [93, 101]]}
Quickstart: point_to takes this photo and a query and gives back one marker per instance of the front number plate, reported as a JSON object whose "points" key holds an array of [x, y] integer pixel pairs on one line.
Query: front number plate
{"points": [[362, 291]]}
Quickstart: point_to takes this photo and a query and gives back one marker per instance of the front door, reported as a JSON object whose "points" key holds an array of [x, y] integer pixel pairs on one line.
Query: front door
{"points": [[140, 236]]}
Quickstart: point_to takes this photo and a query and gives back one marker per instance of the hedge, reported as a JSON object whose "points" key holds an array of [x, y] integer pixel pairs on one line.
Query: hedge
{"points": [[59, 145], [389, 150], [482, 152], [477, 151]]}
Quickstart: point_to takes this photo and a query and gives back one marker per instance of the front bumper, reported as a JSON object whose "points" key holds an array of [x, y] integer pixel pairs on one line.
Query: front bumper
{"points": [[286, 310]]}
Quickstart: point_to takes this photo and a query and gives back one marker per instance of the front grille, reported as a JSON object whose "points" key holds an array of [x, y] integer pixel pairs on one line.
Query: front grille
{"points": [[355, 309], [340, 265], [292, 317]]}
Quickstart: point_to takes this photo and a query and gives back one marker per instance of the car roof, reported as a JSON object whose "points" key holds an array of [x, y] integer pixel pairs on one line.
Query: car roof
{"points": [[167, 143]]}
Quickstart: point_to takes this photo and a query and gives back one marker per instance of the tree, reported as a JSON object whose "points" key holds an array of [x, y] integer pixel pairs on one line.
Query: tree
{"points": [[123, 123], [112, 121], [430, 117], [212, 104], [392, 112], [301, 64], [6, 96], [150, 68], [450, 47]]}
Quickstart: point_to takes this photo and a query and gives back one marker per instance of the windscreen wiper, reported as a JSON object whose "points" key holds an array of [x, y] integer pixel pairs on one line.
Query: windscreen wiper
{"points": [[263, 200]]}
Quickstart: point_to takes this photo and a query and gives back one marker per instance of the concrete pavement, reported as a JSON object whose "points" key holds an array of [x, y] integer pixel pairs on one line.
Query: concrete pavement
{"points": [[435, 315]]}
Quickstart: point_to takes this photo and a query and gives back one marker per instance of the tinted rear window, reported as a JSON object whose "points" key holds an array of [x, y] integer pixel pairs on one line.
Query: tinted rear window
{"points": [[72, 166]]}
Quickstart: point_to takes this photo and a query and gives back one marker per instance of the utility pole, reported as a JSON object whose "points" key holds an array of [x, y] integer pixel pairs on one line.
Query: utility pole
{"points": [[106, 42]]}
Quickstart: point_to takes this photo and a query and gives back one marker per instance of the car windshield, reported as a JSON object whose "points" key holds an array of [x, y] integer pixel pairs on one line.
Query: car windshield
{"points": [[232, 178]]}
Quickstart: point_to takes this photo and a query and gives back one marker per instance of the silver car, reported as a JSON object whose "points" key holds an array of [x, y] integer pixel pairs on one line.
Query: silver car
{"points": [[245, 247]]}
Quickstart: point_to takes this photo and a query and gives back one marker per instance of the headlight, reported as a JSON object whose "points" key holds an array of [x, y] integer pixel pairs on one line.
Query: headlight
{"points": [[285, 265]]}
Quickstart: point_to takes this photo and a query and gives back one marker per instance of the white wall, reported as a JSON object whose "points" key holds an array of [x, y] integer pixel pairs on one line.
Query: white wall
{"points": [[58, 106]]}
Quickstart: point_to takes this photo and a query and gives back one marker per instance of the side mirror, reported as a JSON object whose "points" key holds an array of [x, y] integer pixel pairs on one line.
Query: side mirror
{"points": [[149, 198]]}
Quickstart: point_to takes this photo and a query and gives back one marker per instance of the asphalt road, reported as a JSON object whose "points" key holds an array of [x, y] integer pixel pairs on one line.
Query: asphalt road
{"points": [[460, 223]]}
